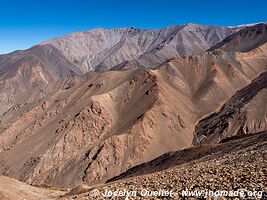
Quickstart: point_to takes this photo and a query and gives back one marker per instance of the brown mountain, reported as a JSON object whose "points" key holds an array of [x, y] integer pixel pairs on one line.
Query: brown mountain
{"points": [[97, 50], [29, 75], [243, 113], [244, 40], [99, 125], [223, 166], [196, 154], [62, 128]]}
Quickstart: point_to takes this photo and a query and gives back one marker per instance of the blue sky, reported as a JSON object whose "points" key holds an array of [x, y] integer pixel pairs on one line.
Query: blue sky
{"points": [[29, 22]]}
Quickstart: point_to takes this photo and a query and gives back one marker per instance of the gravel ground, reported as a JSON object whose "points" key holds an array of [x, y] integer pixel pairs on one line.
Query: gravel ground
{"points": [[244, 169]]}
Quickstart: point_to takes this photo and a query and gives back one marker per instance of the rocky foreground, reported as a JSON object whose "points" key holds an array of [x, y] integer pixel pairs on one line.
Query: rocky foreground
{"points": [[238, 166], [243, 169], [63, 129]]}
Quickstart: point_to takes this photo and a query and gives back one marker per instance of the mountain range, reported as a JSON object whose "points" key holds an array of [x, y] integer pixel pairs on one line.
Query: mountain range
{"points": [[94, 106]]}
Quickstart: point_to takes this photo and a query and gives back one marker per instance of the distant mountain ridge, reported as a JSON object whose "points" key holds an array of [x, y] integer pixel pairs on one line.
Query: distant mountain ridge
{"points": [[102, 49], [62, 124], [244, 40]]}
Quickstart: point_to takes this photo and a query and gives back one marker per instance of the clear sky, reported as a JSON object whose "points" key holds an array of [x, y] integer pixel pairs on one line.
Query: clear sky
{"points": [[24, 23]]}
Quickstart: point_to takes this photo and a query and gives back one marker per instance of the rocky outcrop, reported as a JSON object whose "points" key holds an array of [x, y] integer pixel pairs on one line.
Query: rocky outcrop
{"points": [[244, 113], [107, 132], [244, 40], [235, 165]]}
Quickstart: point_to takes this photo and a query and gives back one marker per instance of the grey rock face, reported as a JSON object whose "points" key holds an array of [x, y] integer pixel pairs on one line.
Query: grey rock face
{"points": [[101, 49], [244, 40]]}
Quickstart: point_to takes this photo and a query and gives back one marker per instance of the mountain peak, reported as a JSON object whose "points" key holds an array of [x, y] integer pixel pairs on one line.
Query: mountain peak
{"points": [[102, 49]]}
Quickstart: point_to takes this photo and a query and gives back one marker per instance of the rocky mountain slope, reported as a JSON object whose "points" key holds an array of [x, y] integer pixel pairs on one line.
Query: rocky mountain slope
{"points": [[94, 127], [244, 113], [238, 164], [102, 49], [244, 40], [35, 70], [98, 50], [173, 171], [61, 128]]}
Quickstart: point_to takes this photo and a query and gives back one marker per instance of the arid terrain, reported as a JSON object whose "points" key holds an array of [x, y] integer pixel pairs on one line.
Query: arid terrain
{"points": [[239, 164], [103, 105]]}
